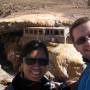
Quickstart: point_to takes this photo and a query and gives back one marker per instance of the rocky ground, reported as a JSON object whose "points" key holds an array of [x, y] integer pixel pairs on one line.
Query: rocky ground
{"points": [[70, 9]]}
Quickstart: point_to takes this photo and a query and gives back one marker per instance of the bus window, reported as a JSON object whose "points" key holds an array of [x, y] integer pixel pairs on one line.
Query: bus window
{"points": [[26, 31], [56, 32], [31, 31], [35, 31], [62, 32], [46, 32], [51, 32], [40, 32]]}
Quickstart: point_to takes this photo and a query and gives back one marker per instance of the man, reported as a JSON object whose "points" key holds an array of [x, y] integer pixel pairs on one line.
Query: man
{"points": [[80, 35]]}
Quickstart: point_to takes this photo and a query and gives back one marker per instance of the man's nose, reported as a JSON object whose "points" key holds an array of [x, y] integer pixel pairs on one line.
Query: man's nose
{"points": [[88, 40]]}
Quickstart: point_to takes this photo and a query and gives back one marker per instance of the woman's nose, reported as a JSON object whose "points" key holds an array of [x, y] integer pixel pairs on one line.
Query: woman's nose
{"points": [[36, 64]]}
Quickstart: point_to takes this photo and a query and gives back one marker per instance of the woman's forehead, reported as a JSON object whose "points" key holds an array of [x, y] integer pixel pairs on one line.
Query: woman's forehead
{"points": [[38, 53]]}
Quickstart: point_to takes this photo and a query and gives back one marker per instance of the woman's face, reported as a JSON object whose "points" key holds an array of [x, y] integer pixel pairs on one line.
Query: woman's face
{"points": [[35, 71]]}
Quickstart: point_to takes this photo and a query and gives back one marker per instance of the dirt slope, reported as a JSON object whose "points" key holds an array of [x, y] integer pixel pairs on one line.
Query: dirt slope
{"points": [[66, 8]]}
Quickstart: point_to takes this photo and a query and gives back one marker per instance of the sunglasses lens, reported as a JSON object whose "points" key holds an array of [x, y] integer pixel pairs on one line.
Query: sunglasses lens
{"points": [[43, 61], [40, 61], [30, 61], [81, 40]]}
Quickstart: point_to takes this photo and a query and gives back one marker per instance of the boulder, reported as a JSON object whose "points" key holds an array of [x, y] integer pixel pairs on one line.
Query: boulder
{"points": [[65, 62]]}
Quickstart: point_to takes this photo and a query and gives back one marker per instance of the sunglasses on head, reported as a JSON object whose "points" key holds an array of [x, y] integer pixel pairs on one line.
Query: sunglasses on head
{"points": [[82, 40], [40, 61]]}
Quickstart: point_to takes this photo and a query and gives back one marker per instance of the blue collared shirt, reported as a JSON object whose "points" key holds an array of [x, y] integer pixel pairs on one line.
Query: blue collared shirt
{"points": [[84, 82]]}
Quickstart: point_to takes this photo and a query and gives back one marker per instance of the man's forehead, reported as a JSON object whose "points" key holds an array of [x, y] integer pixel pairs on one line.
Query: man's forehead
{"points": [[83, 28]]}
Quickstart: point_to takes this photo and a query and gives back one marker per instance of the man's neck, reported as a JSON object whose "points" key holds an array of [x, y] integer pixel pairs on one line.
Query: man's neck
{"points": [[86, 60]]}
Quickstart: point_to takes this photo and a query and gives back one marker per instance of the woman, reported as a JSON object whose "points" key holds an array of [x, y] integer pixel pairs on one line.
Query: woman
{"points": [[31, 76]]}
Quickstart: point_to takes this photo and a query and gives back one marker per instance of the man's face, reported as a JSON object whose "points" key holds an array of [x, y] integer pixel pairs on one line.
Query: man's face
{"points": [[81, 36]]}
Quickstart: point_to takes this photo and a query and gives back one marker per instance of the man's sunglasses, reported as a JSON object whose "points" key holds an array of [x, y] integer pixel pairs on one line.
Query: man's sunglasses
{"points": [[81, 40], [40, 61]]}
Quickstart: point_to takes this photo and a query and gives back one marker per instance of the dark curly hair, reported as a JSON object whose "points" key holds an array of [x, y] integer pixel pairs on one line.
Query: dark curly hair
{"points": [[34, 45]]}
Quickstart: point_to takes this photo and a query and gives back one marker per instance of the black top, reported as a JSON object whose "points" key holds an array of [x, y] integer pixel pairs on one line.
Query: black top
{"points": [[20, 83]]}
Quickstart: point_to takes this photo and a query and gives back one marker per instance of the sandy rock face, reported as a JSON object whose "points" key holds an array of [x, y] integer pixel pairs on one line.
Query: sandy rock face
{"points": [[4, 78], [65, 62], [34, 19]]}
